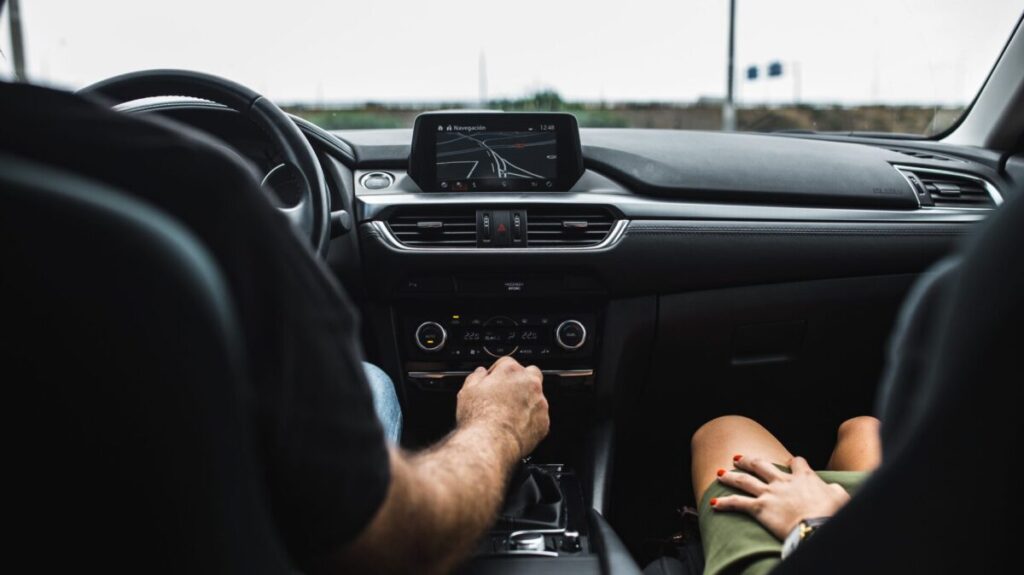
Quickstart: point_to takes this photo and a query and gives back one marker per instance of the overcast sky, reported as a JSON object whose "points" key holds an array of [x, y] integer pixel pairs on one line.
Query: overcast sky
{"points": [[893, 51]]}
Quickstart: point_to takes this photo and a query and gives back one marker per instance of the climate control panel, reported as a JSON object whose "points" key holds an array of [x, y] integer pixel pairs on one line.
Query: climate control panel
{"points": [[481, 338]]}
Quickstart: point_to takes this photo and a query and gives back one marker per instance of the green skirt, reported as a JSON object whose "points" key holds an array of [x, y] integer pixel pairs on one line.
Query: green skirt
{"points": [[735, 543]]}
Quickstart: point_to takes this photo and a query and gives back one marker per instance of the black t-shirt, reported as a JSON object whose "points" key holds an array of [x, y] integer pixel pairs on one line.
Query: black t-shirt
{"points": [[323, 449]]}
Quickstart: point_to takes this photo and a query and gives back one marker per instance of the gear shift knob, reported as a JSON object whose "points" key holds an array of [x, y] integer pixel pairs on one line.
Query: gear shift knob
{"points": [[534, 500]]}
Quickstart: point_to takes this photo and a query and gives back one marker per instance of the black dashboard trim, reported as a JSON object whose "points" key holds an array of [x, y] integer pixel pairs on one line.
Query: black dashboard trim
{"points": [[595, 189], [670, 256], [791, 229]]}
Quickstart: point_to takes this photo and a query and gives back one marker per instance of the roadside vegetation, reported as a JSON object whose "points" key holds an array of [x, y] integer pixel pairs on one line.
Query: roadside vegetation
{"points": [[700, 115]]}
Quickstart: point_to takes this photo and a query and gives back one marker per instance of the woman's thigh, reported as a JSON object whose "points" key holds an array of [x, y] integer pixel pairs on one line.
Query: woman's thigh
{"points": [[716, 443]]}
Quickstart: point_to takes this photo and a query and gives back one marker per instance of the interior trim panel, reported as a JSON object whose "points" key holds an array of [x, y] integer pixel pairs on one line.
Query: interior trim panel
{"points": [[596, 189]]}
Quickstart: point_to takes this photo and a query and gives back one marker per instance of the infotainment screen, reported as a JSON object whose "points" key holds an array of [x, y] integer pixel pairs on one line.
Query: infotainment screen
{"points": [[483, 152]]}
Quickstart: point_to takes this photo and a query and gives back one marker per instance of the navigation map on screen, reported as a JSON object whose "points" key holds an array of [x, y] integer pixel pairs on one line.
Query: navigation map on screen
{"points": [[469, 157]]}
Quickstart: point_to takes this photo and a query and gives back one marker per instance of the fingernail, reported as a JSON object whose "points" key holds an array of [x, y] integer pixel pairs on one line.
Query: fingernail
{"points": [[721, 472], [737, 457], [714, 501]]}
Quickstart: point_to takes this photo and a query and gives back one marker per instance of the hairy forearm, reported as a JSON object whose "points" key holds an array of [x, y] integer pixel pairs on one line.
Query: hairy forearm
{"points": [[439, 503], [464, 483]]}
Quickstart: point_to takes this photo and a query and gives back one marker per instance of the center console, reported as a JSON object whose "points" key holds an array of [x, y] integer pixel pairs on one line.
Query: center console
{"points": [[476, 257]]}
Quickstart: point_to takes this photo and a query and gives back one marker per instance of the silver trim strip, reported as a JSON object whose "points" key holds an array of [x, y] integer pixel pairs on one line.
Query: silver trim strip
{"points": [[595, 189], [437, 374], [568, 372], [554, 531], [993, 192], [464, 373], [614, 236]]}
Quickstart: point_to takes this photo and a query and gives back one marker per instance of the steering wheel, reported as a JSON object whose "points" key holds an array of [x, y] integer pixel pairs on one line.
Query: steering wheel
{"points": [[311, 214]]}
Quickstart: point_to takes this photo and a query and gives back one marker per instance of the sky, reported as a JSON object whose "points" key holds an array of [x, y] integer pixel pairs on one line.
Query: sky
{"points": [[319, 51]]}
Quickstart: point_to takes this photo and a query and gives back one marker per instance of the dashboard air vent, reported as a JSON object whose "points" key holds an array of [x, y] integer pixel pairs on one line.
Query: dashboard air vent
{"points": [[439, 229], [923, 155], [567, 226], [942, 189]]}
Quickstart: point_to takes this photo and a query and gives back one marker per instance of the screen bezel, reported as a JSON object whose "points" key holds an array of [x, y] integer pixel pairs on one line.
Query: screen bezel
{"points": [[423, 155]]}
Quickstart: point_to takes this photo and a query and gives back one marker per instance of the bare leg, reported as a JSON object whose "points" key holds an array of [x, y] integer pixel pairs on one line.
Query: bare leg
{"points": [[858, 447], [717, 441]]}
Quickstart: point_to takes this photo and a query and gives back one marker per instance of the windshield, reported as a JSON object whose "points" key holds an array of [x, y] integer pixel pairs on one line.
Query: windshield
{"points": [[899, 66]]}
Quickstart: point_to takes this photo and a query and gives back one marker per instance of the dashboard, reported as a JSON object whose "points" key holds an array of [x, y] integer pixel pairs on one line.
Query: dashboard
{"points": [[498, 216], [658, 278]]}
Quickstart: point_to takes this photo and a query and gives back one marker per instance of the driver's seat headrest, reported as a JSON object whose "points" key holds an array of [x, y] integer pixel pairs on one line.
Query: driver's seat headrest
{"points": [[124, 374]]}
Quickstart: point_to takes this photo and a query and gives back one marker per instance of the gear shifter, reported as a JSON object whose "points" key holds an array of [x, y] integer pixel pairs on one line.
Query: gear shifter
{"points": [[534, 500]]}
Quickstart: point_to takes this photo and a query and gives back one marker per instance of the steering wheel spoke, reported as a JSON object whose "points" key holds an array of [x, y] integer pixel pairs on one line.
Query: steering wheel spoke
{"points": [[306, 203]]}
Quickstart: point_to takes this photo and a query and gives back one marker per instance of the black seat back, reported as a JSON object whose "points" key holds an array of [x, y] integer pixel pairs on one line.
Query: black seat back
{"points": [[947, 498], [128, 446]]}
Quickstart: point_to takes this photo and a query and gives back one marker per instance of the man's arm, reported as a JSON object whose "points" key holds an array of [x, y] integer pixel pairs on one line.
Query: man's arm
{"points": [[441, 500]]}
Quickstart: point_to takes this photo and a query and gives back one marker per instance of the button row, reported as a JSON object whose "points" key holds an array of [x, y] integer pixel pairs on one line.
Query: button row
{"points": [[499, 336], [471, 352]]}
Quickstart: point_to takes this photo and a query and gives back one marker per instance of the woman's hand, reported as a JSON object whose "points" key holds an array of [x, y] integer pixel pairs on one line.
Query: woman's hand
{"points": [[780, 500]]}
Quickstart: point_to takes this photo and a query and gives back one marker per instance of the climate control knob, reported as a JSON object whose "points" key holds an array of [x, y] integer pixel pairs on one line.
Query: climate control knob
{"points": [[570, 334], [431, 336]]}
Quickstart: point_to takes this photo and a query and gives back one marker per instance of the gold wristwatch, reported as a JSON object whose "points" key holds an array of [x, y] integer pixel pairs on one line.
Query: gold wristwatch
{"points": [[801, 532]]}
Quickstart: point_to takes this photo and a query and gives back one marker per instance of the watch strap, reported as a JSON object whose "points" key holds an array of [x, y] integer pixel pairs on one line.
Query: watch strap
{"points": [[801, 532]]}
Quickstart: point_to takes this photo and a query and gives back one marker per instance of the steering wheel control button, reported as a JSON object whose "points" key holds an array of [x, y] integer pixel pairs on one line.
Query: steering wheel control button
{"points": [[378, 181], [571, 335], [430, 336]]}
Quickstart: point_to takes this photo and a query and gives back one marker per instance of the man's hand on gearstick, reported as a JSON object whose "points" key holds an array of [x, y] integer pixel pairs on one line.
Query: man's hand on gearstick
{"points": [[509, 398]]}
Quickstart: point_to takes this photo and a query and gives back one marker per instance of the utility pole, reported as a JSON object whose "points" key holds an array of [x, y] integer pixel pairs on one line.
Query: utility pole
{"points": [[483, 80], [728, 107], [17, 42]]}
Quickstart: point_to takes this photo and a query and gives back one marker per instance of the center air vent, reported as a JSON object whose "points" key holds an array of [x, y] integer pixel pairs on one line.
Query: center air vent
{"points": [[469, 227], [567, 227], [942, 189], [456, 228]]}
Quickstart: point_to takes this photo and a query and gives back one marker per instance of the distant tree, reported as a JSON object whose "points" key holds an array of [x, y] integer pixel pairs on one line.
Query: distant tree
{"points": [[547, 100]]}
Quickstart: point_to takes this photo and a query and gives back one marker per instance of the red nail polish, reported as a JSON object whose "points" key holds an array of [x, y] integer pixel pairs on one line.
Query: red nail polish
{"points": [[737, 457], [721, 472], [714, 501]]}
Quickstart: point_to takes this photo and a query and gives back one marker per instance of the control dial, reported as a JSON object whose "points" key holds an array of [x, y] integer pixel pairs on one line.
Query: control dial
{"points": [[571, 335], [500, 336], [431, 336]]}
